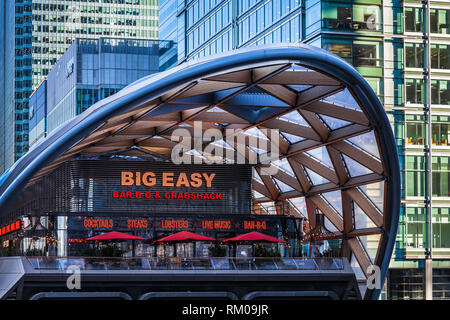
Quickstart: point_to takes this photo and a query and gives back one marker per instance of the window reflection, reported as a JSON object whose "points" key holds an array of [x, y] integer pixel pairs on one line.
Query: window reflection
{"points": [[439, 21], [413, 19], [415, 91], [414, 55]]}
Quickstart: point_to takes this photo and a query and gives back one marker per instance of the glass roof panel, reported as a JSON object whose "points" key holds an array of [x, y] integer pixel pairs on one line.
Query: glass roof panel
{"points": [[362, 221], [355, 169], [357, 269], [366, 142], [256, 176], [283, 187], [256, 133], [334, 199], [344, 99], [268, 207], [222, 143], [295, 117], [258, 151], [291, 138], [329, 225], [321, 154], [283, 164], [194, 152], [375, 192], [370, 243], [215, 109], [315, 178], [334, 123], [296, 67], [299, 88], [257, 195], [300, 204]]}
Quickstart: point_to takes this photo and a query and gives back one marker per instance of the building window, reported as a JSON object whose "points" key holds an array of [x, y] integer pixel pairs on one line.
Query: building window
{"points": [[358, 53], [415, 176], [440, 21], [414, 19], [415, 130], [406, 284], [440, 176], [441, 227], [415, 227], [440, 130], [440, 56], [414, 55], [351, 17], [365, 55], [440, 92], [415, 91]]}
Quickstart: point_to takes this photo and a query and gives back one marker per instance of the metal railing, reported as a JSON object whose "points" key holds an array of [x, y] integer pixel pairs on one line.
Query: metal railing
{"points": [[177, 263]]}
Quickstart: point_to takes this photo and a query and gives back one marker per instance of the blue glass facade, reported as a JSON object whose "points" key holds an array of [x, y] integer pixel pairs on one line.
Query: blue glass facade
{"points": [[202, 28], [7, 44], [90, 70]]}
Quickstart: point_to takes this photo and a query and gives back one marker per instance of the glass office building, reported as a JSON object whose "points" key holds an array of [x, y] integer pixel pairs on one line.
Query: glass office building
{"points": [[36, 33], [402, 48], [89, 71]]}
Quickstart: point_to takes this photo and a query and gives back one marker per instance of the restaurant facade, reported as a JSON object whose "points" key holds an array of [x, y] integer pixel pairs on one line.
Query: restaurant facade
{"points": [[328, 156]]}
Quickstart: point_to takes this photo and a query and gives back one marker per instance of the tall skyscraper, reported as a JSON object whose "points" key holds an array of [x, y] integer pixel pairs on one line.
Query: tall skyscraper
{"points": [[36, 33], [402, 48], [90, 70]]}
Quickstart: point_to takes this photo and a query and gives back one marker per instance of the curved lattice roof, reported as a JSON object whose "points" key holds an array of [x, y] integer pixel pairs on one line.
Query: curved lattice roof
{"points": [[337, 151]]}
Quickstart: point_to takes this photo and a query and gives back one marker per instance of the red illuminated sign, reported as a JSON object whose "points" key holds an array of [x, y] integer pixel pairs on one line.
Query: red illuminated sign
{"points": [[168, 179], [174, 224], [98, 223], [72, 240], [137, 224], [168, 195], [11, 227], [216, 224], [255, 225]]}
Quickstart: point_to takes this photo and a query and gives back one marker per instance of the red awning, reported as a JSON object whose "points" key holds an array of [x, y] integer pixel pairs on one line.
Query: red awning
{"points": [[254, 236], [114, 235], [185, 235]]}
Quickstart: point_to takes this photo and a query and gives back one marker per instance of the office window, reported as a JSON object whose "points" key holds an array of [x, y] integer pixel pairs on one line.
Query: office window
{"points": [[415, 130], [414, 19], [415, 227], [440, 92], [440, 130], [440, 21], [351, 17], [365, 54], [440, 56], [415, 176], [414, 55], [415, 91], [441, 227], [344, 50], [440, 178]]}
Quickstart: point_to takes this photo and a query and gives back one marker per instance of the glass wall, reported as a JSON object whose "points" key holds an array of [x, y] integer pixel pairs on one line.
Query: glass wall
{"points": [[406, 284], [440, 179], [414, 55], [415, 176], [415, 129], [440, 130], [414, 18], [415, 91], [351, 17]]}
